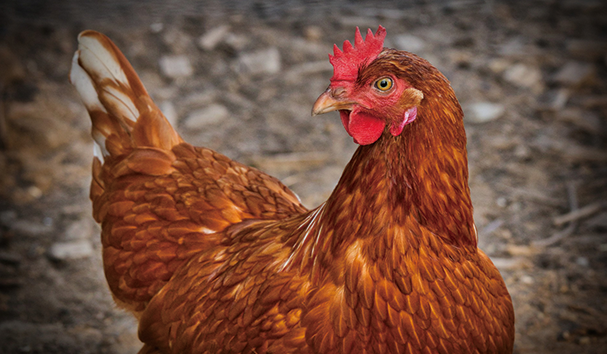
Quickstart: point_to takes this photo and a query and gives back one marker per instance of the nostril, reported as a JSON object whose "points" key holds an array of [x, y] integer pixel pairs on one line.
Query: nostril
{"points": [[338, 92]]}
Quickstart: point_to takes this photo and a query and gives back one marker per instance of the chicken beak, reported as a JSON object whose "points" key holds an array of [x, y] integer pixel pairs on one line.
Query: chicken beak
{"points": [[331, 100]]}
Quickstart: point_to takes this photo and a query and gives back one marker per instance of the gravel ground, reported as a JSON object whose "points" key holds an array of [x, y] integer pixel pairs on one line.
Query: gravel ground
{"points": [[241, 77]]}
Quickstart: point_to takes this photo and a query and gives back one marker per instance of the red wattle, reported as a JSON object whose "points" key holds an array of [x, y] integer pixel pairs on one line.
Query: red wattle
{"points": [[364, 128]]}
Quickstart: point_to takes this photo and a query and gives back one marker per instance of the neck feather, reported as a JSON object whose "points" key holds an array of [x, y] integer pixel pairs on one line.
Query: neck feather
{"points": [[421, 174]]}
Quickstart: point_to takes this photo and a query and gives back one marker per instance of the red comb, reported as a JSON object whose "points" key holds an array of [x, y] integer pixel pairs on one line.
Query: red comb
{"points": [[346, 63]]}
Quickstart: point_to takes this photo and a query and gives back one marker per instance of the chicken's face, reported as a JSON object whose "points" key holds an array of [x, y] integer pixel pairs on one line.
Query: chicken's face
{"points": [[368, 92]]}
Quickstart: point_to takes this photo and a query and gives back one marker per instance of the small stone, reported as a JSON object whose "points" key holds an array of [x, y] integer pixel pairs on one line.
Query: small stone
{"points": [[582, 261], [81, 208], [499, 65], [179, 42], [29, 227], [266, 61], [34, 191], [202, 118], [79, 230], [70, 250], [313, 33], [522, 152], [156, 27], [168, 109], [523, 76], [526, 279], [176, 66], [48, 221], [409, 43], [212, 38], [198, 100], [503, 142], [506, 263], [482, 112], [584, 340], [512, 48], [574, 74], [501, 202], [237, 42], [238, 100]]}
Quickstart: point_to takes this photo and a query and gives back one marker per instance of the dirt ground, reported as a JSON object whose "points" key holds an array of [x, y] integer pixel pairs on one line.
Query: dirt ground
{"points": [[240, 77]]}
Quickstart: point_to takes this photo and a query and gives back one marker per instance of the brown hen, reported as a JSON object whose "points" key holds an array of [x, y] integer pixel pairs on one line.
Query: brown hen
{"points": [[216, 257]]}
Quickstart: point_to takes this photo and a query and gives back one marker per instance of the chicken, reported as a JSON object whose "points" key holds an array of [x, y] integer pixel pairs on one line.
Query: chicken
{"points": [[212, 256]]}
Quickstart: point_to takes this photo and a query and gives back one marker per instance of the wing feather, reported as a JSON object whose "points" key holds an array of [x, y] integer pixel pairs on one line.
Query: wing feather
{"points": [[159, 200]]}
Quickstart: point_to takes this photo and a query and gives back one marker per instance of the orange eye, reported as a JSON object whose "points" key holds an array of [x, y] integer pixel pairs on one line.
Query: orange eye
{"points": [[384, 84]]}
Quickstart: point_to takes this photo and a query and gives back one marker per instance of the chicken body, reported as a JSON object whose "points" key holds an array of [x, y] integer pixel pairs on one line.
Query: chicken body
{"points": [[215, 257]]}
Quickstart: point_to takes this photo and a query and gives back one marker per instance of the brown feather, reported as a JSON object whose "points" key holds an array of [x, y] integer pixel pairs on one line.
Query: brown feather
{"points": [[214, 256]]}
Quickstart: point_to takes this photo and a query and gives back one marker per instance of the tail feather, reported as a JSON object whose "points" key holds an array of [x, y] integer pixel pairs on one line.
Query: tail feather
{"points": [[156, 208], [122, 113]]}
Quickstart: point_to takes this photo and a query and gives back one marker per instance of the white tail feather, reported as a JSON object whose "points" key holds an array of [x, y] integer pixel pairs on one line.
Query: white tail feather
{"points": [[124, 105], [101, 65], [100, 141], [98, 153], [84, 85], [122, 113], [99, 61]]}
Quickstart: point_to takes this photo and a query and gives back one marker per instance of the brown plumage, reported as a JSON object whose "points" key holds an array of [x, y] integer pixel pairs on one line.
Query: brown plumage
{"points": [[215, 257]]}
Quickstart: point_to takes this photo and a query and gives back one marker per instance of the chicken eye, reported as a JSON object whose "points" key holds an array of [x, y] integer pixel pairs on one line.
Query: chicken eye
{"points": [[384, 84]]}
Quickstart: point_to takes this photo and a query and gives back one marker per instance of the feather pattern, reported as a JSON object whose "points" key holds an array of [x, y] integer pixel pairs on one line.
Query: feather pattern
{"points": [[159, 200], [216, 257]]}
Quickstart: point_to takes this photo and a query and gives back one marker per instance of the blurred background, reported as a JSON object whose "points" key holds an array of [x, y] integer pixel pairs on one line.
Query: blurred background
{"points": [[240, 77]]}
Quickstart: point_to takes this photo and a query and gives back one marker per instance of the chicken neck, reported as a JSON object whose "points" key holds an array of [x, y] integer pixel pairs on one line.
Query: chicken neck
{"points": [[420, 175]]}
